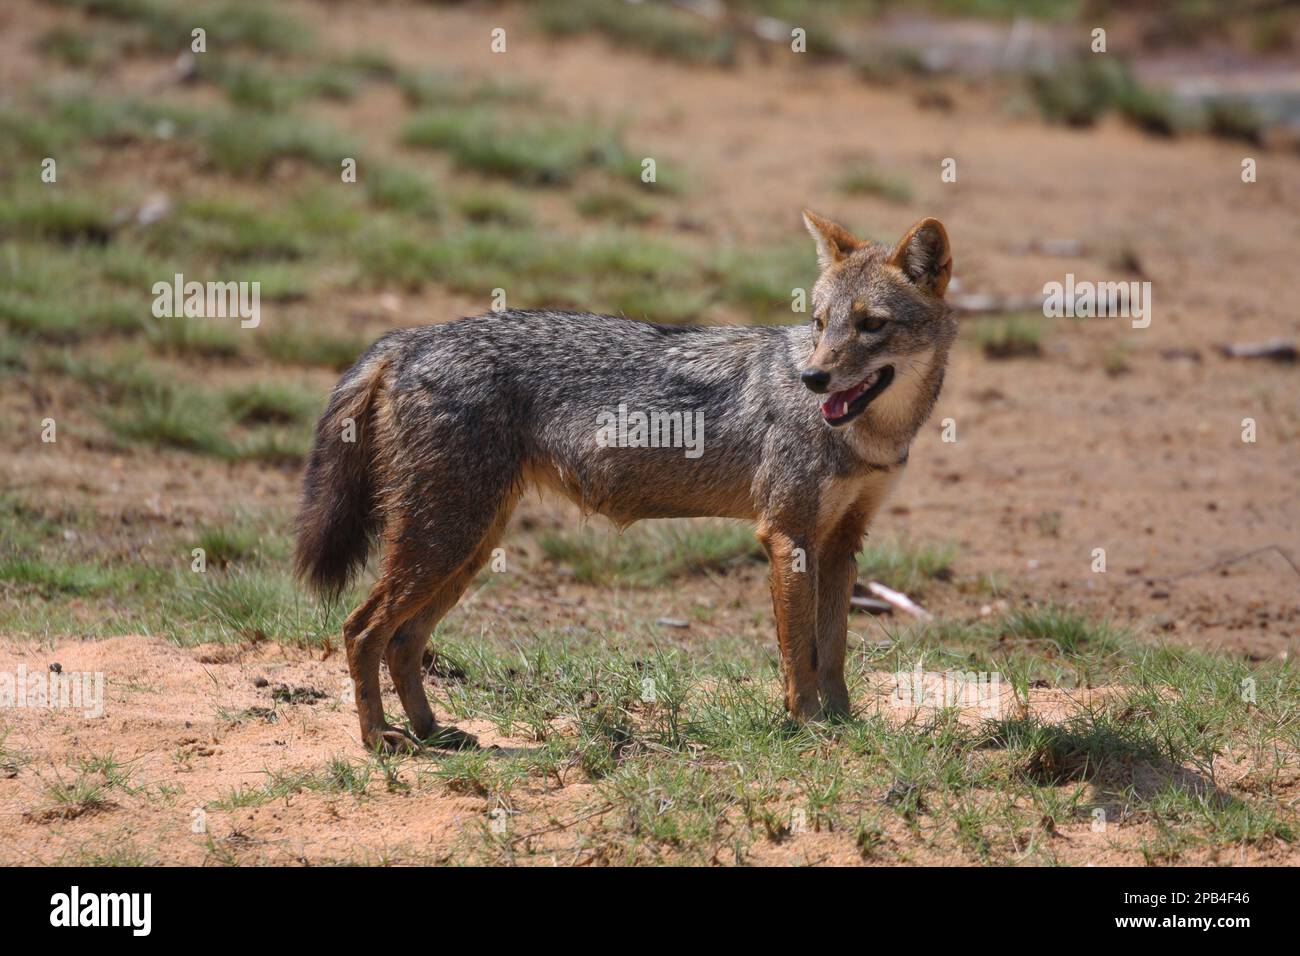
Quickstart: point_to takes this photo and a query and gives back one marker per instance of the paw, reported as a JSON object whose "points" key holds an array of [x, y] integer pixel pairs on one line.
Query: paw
{"points": [[805, 710], [835, 704], [836, 712], [392, 740], [450, 738]]}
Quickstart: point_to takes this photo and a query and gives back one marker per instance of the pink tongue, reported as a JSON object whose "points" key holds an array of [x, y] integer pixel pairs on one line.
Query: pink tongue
{"points": [[838, 404]]}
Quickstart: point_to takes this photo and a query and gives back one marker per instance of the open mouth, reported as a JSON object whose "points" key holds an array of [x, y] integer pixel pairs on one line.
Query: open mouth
{"points": [[842, 407]]}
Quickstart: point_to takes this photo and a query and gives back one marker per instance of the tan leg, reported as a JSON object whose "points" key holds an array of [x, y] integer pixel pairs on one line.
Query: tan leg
{"points": [[406, 650], [404, 654], [794, 601], [836, 571], [366, 634]]}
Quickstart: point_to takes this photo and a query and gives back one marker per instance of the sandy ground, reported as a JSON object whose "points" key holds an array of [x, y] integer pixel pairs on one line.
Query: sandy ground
{"points": [[191, 726]]}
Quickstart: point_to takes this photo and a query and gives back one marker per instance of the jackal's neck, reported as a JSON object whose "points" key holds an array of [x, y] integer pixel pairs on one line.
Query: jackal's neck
{"points": [[885, 431]]}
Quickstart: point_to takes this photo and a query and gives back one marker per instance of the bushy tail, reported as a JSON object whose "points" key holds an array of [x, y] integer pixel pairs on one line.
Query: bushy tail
{"points": [[339, 519]]}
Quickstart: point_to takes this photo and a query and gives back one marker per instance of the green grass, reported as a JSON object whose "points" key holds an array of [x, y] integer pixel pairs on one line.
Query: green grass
{"points": [[493, 207], [303, 344], [252, 86], [272, 403], [250, 146], [1234, 119], [228, 544], [1013, 336], [262, 85], [653, 555], [338, 776], [55, 215], [762, 281], [432, 88], [281, 447], [57, 124], [546, 152], [141, 405], [709, 770], [866, 180], [50, 576], [81, 49], [14, 352], [1067, 631], [173, 417], [37, 561], [608, 272], [60, 321], [229, 23], [241, 604], [392, 187], [646, 27], [122, 377], [116, 577], [235, 231], [905, 566], [1058, 646], [614, 206], [83, 794], [1080, 92], [192, 338]]}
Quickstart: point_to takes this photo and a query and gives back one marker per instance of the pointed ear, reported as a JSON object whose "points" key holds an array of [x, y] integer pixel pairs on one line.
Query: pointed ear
{"points": [[924, 257], [834, 242]]}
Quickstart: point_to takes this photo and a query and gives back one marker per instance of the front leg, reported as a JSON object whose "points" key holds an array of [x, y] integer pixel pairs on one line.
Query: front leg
{"points": [[794, 600], [837, 570]]}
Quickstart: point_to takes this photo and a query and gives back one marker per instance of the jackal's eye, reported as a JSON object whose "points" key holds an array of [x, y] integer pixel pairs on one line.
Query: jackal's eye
{"points": [[869, 323], [818, 323]]}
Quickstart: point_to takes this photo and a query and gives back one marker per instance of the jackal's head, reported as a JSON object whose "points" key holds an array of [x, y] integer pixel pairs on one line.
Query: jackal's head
{"points": [[878, 315]]}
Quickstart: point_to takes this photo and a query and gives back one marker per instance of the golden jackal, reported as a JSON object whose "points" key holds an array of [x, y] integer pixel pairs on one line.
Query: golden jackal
{"points": [[430, 439]]}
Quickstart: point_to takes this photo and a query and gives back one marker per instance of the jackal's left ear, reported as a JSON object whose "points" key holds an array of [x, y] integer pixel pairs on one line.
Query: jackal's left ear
{"points": [[834, 242], [924, 257]]}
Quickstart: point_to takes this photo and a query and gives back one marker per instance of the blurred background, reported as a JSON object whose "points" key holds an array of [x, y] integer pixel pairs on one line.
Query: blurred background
{"points": [[503, 146]]}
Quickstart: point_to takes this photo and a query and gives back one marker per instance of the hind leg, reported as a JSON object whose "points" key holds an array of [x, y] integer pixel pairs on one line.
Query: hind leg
{"points": [[366, 634], [404, 654], [406, 650]]}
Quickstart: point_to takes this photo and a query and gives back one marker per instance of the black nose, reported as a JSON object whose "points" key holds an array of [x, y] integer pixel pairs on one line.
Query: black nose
{"points": [[816, 379]]}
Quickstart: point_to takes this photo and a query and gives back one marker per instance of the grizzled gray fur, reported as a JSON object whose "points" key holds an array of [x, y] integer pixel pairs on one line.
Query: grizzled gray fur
{"points": [[430, 439]]}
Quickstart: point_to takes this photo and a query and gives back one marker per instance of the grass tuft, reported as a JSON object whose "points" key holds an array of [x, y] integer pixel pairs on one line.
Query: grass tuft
{"points": [[650, 557], [535, 153], [1015, 336]]}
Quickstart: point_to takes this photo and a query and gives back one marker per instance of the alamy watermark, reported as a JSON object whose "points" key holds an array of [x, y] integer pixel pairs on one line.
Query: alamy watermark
{"points": [[133, 911], [964, 689], [624, 429], [53, 690], [209, 300], [1084, 300]]}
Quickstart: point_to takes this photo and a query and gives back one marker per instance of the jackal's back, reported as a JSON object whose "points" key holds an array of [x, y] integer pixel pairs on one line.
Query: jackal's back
{"points": [[542, 383]]}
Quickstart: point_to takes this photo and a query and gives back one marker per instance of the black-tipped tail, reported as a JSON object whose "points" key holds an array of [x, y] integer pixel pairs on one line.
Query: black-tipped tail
{"points": [[338, 519]]}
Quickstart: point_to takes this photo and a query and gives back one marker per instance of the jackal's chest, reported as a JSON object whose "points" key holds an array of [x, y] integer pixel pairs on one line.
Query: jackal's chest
{"points": [[855, 497]]}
